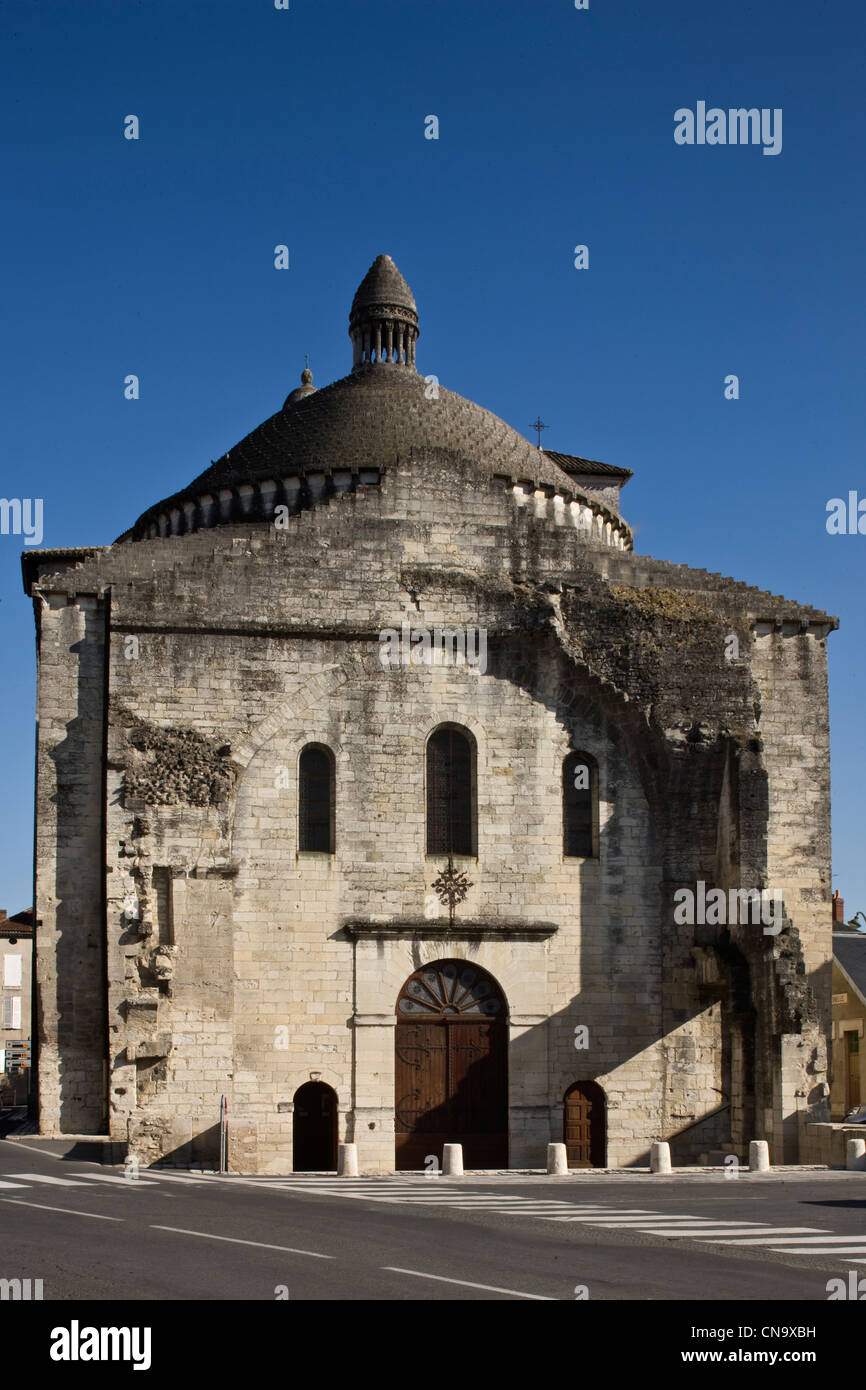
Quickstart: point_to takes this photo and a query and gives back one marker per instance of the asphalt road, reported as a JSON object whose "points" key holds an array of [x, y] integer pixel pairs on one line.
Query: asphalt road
{"points": [[90, 1233]]}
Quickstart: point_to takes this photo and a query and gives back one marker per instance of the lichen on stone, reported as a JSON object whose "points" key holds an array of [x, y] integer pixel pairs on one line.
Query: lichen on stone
{"points": [[675, 605]]}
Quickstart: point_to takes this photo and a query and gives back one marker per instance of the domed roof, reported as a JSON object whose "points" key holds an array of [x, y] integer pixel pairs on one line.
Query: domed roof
{"points": [[306, 388], [383, 410], [368, 420]]}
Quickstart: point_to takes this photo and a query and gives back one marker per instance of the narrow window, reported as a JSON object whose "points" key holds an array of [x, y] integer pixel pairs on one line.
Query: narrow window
{"points": [[12, 972], [316, 800], [579, 806], [450, 819]]}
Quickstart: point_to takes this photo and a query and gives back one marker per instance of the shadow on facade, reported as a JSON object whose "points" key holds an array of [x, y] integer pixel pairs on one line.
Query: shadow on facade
{"points": [[79, 889], [683, 995]]}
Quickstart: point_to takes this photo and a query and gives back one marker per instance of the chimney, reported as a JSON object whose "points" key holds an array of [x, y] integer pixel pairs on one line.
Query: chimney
{"points": [[838, 910], [2, 914]]}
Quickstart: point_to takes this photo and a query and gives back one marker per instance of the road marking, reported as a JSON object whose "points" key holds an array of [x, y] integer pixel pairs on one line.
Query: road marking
{"points": [[819, 1249], [467, 1284], [824, 1238], [629, 1223], [161, 1176], [67, 1211], [53, 1182], [232, 1240], [723, 1235], [21, 1185], [124, 1182], [31, 1148]]}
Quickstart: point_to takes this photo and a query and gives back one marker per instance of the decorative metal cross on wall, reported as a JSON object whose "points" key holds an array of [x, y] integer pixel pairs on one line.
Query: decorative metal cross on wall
{"points": [[451, 886]]}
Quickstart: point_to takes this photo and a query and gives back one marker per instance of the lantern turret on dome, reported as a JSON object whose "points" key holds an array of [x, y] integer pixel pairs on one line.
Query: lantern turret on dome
{"points": [[383, 323]]}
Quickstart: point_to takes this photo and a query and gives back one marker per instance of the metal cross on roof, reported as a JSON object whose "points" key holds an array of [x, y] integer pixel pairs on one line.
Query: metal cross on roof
{"points": [[539, 425]]}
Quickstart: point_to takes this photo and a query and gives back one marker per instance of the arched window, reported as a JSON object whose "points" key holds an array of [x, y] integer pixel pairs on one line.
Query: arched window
{"points": [[316, 799], [450, 792], [579, 807]]}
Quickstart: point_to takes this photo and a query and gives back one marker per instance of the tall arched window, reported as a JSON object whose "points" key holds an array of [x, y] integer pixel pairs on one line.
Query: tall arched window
{"points": [[579, 807], [450, 792], [316, 799]]}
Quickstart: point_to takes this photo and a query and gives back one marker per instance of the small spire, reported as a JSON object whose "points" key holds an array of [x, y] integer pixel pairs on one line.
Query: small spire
{"points": [[383, 323]]}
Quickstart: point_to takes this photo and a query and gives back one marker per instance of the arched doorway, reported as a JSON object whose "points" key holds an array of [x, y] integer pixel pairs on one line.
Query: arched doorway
{"points": [[451, 1072], [314, 1128], [584, 1125]]}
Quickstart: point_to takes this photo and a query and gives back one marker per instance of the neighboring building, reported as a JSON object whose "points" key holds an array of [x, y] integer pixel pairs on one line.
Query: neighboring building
{"points": [[849, 1014], [254, 808], [16, 964]]}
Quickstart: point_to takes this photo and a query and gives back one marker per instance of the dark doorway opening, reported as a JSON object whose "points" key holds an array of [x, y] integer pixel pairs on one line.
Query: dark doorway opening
{"points": [[315, 1128], [584, 1125]]}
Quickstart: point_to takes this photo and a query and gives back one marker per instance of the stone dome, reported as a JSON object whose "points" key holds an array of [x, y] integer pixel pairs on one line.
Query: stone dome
{"points": [[306, 388], [356, 428]]}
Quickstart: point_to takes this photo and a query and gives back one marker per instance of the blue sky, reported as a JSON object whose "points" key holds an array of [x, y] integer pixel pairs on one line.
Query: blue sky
{"points": [[306, 127]]}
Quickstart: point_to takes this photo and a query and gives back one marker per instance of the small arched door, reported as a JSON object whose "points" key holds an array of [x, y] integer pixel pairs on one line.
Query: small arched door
{"points": [[314, 1129], [584, 1125], [451, 1081]]}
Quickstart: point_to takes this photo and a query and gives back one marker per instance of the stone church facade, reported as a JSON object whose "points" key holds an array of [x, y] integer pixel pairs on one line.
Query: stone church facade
{"points": [[405, 900]]}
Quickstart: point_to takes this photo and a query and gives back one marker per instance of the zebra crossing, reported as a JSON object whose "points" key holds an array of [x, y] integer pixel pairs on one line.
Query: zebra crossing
{"points": [[441, 1194], [26, 1180], [437, 1192]]}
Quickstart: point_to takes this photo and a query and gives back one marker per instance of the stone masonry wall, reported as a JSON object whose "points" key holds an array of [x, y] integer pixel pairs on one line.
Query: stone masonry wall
{"points": [[229, 968]]}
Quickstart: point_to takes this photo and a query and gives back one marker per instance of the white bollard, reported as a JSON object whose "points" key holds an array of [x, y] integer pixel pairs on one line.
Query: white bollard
{"points": [[557, 1158], [347, 1160], [759, 1156], [660, 1157], [855, 1155], [452, 1160]]}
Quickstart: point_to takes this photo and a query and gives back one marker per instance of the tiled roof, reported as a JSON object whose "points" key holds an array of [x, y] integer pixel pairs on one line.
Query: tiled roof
{"points": [[850, 952], [572, 463], [21, 924], [367, 420], [383, 284]]}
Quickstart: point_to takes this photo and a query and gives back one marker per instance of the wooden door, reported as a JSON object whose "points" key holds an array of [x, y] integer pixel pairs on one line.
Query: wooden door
{"points": [[584, 1125], [852, 1051], [451, 1067]]}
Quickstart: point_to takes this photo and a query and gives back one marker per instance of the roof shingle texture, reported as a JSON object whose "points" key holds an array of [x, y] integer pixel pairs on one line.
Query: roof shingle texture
{"points": [[368, 420], [850, 952], [383, 284], [573, 463]]}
